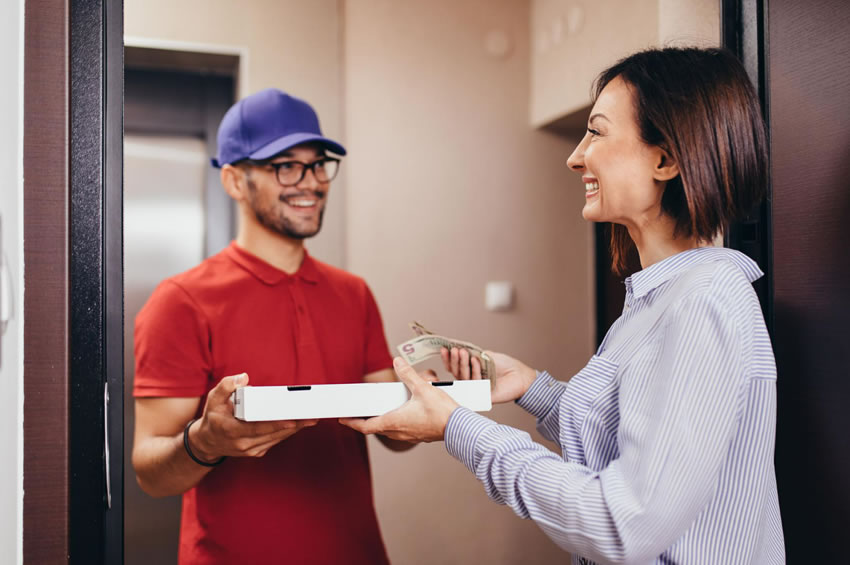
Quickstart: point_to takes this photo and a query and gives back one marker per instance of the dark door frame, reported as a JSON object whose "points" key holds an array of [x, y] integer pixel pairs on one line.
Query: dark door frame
{"points": [[744, 32], [73, 507], [96, 280], [73, 305], [808, 322]]}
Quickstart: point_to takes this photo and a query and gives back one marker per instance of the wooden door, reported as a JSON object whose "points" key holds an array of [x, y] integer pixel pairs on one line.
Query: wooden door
{"points": [[807, 51]]}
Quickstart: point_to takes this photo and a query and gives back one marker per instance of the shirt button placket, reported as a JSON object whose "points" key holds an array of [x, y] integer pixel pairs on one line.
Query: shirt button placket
{"points": [[304, 327], [310, 364]]}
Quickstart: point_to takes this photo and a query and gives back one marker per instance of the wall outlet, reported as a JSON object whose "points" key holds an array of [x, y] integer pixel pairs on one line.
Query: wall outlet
{"points": [[499, 296]]}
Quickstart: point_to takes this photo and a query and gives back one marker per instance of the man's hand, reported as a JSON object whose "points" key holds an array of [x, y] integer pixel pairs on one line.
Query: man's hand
{"points": [[219, 433], [511, 380], [422, 418], [163, 468]]}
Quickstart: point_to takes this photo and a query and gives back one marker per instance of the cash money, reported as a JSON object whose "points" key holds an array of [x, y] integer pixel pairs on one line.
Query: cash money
{"points": [[419, 329], [427, 344]]}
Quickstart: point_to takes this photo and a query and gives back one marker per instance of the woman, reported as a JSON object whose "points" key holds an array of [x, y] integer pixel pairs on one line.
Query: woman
{"points": [[667, 434]]}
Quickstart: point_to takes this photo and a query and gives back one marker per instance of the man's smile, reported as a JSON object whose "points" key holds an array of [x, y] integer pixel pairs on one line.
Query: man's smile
{"points": [[301, 200]]}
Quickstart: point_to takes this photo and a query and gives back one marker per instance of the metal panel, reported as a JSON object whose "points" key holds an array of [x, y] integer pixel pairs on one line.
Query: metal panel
{"points": [[187, 103], [164, 102], [177, 212], [164, 235], [220, 208]]}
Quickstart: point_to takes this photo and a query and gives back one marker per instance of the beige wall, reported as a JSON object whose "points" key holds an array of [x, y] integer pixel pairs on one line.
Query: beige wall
{"points": [[573, 41], [290, 44], [449, 187], [691, 22]]}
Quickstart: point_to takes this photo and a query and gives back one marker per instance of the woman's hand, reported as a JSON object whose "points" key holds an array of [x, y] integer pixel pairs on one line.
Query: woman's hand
{"points": [[511, 380], [422, 418]]}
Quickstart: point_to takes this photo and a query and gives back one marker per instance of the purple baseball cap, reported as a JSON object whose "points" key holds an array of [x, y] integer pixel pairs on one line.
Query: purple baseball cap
{"points": [[262, 125]]}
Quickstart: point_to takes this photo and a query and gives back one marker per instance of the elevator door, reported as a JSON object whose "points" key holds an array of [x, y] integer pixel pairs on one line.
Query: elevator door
{"points": [[175, 213], [164, 181]]}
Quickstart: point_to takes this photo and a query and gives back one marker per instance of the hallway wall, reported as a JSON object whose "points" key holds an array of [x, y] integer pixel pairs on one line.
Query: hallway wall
{"points": [[450, 187]]}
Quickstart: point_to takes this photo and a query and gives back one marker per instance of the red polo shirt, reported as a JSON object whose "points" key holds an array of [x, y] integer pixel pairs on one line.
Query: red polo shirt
{"points": [[309, 499]]}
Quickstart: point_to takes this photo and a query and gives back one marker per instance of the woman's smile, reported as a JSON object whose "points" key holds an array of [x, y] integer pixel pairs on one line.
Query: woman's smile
{"points": [[591, 186]]}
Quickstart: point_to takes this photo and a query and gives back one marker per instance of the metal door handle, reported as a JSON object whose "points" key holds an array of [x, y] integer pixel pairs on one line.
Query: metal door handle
{"points": [[106, 442]]}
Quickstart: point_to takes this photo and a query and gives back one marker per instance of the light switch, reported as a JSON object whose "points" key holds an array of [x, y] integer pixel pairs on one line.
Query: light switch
{"points": [[499, 296]]}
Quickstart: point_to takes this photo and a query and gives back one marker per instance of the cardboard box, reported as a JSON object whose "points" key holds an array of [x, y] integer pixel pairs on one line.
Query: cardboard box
{"points": [[300, 402]]}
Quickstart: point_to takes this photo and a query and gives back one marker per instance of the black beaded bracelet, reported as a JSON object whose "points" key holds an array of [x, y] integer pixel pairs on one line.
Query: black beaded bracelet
{"points": [[189, 450]]}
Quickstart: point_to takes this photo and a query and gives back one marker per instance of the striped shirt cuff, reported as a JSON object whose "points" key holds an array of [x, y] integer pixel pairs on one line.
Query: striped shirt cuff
{"points": [[543, 394], [462, 432]]}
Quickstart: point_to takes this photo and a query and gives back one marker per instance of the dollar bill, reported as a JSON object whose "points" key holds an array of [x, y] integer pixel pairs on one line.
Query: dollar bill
{"points": [[419, 329], [427, 344]]}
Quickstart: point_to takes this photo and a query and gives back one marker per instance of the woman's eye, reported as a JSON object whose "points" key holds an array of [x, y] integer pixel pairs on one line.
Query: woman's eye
{"points": [[593, 132], [285, 166]]}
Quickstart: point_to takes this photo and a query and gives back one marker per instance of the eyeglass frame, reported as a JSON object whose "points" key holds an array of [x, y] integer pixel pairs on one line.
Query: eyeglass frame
{"points": [[306, 166]]}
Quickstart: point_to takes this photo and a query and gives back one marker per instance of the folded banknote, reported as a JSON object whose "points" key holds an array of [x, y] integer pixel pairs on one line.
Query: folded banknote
{"points": [[427, 344]]}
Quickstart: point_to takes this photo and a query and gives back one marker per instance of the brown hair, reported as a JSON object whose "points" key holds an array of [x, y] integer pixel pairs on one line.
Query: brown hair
{"points": [[700, 107]]}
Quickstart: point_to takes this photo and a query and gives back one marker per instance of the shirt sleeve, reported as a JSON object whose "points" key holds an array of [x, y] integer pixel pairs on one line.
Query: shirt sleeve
{"points": [[543, 400], [671, 454], [377, 355], [172, 346]]}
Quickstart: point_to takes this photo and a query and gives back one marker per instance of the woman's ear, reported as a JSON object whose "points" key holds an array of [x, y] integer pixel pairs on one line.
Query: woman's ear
{"points": [[666, 167], [234, 182]]}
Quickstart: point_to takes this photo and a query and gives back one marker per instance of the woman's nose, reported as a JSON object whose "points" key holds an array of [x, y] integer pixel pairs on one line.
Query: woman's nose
{"points": [[576, 160]]}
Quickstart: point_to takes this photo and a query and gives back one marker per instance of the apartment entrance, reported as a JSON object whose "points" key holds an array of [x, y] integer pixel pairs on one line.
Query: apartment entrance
{"points": [[76, 310]]}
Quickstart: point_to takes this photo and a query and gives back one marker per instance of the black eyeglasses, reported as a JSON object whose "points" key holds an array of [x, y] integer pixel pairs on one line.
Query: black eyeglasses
{"points": [[290, 173]]}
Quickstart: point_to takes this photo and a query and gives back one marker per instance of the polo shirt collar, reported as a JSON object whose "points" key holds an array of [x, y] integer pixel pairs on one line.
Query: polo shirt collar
{"points": [[270, 274], [642, 282]]}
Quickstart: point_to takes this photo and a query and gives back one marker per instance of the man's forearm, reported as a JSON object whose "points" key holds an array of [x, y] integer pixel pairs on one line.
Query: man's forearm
{"points": [[163, 468]]}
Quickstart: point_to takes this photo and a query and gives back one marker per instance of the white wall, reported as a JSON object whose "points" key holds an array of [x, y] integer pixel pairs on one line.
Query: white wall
{"points": [[11, 342]]}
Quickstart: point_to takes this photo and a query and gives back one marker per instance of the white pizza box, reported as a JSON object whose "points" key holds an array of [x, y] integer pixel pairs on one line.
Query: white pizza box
{"points": [[301, 402]]}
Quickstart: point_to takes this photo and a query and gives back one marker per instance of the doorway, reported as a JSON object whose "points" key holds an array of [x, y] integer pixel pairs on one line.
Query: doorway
{"points": [[64, 409], [175, 214]]}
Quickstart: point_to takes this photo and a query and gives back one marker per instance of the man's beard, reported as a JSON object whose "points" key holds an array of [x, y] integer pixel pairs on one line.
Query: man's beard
{"points": [[281, 224], [285, 227]]}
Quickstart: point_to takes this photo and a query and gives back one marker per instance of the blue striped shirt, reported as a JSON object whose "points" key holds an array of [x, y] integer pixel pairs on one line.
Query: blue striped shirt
{"points": [[666, 437]]}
